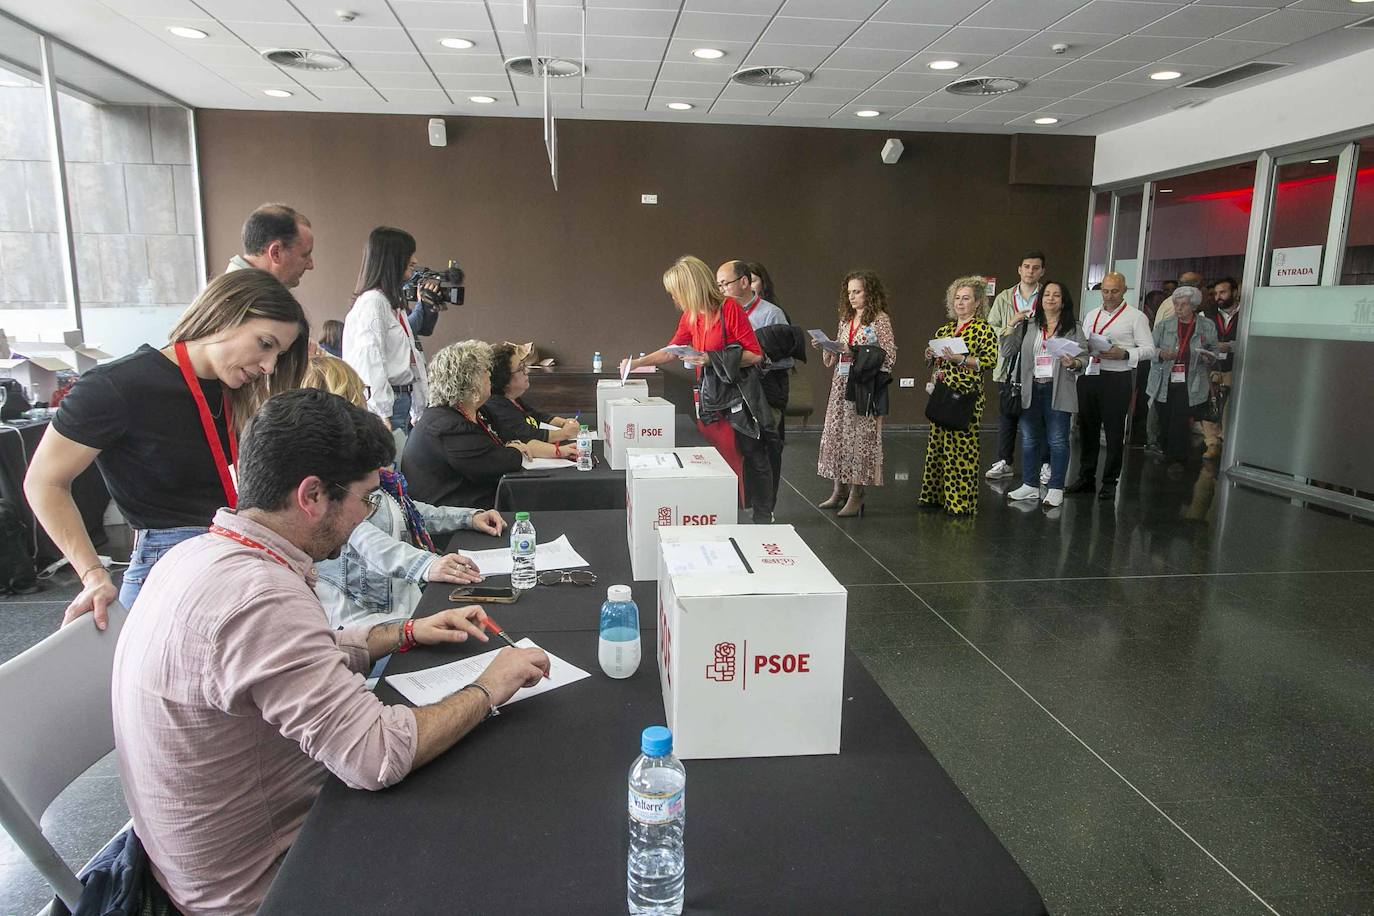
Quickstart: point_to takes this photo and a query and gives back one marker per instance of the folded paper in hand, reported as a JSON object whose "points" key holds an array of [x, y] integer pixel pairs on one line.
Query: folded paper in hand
{"points": [[1062, 346], [825, 342], [1098, 343], [955, 344]]}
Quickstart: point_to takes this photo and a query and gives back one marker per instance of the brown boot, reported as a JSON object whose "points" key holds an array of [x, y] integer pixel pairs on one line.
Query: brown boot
{"points": [[855, 504], [837, 497]]}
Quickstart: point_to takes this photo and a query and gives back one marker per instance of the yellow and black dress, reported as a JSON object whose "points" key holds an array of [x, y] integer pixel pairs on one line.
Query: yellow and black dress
{"points": [[950, 478]]}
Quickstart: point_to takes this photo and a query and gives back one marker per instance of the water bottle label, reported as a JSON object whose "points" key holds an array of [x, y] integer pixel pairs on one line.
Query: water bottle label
{"points": [[657, 809], [524, 546]]}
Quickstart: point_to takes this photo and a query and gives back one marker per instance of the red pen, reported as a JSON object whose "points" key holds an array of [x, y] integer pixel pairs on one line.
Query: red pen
{"points": [[491, 626]]}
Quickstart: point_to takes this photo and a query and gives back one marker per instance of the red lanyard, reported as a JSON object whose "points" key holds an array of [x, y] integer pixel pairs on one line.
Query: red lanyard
{"points": [[1016, 299], [477, 418], [1098, 317], [959, 332], [207, 424], [249, 542], [405, 329], [1183, 341], [852, 329], [1223, 324]]}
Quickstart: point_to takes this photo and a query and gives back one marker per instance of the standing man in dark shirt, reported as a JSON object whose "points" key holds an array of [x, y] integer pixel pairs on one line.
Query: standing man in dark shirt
{"points": [[1226, 316]]}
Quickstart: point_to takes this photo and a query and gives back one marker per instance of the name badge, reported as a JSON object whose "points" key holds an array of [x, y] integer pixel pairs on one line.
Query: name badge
{"points": [[845, 361], [1094, 366], [1044, 367], [1178, 374]]}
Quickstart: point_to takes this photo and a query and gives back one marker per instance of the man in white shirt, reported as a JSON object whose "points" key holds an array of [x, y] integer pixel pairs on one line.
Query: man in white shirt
{"points": [[278, 240], [1010, 302], [1107, 383]]}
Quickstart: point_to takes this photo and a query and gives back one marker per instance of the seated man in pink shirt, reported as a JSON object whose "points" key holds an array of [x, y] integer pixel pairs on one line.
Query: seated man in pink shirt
{"points": [[233, 697]]}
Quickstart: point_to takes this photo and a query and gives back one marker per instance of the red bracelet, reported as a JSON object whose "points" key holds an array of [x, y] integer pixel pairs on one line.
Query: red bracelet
{"points": [[557, 450], [407, 636]]}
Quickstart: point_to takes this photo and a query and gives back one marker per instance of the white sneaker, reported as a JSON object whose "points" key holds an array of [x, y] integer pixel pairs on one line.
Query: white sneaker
{"points": [[1053, 499], [1025, 491], [1044, 475], [999, 470]]}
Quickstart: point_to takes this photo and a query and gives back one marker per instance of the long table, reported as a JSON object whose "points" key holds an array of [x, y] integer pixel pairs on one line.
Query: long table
{"points": [[527, 813]]}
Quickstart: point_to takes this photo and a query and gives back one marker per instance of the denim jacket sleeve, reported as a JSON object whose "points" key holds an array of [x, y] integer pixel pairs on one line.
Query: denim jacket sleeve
{"points": [[387, 555], [445, 518]]}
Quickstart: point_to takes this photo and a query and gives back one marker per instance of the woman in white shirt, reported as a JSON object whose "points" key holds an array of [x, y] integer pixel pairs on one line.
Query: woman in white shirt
{"points": [[377, 340]]}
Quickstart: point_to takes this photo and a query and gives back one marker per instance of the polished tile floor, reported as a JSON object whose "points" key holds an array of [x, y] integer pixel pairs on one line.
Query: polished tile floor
{"points": [[1161, 706]]}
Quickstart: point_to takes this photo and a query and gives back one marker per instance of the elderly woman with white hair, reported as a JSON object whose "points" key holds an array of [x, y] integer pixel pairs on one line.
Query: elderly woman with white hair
{"points": [[453, 456], [1179, 379]]}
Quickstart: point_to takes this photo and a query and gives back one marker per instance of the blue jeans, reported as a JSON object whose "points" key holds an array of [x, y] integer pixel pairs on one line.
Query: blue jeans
{"points": [[149, 546], [400, 412], [1041, 423]]}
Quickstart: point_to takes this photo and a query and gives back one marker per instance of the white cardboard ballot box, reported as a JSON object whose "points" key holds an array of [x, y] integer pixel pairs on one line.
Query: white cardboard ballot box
{"points": [[635, 423], [665, 487], [751, 630], [608, 388]]}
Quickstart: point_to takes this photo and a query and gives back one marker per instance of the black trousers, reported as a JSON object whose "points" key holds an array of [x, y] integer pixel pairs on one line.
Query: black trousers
{"points": [[760, 492], [1103, 400], [1176, 423], [1006, 432], [776, 389]]}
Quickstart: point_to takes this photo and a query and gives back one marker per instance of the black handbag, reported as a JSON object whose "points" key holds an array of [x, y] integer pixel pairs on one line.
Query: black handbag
{"points": [[951, 409], [1009, 392]]}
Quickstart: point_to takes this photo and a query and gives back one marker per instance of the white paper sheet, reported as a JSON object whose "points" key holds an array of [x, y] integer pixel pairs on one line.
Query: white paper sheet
{"points": [[547, 464], [433, 684], [557, 554], [683, 351], [1097, 343], [656, 460], [625, 368], [699, 558], [956, 344], [1062, 346], [550, 427], [824, 340]]}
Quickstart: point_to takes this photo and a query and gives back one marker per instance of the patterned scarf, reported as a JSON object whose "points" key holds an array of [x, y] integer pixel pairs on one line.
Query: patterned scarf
{"points": [[393, 483]]}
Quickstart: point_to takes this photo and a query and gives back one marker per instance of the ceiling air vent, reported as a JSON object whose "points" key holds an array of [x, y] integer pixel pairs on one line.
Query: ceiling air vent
{"points": [[770, 77], [1234, 75], [556, 67], [986, 85], [300, 59]]}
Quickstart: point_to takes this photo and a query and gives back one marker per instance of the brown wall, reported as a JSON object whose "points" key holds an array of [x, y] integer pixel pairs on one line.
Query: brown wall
{"points": [[579, 269]]}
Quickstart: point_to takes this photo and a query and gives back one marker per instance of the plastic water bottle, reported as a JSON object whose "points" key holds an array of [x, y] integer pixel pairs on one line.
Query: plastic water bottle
{"points": [[618, 649], [522, 544], [596, 361], [658, 812], [584, 449]]}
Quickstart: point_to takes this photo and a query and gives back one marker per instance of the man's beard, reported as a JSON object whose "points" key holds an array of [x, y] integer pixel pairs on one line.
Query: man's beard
{"points": [[328, 539]]}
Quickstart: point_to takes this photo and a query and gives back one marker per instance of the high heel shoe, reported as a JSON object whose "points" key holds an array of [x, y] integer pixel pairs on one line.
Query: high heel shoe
{"points": [[837, 497], [855, 505]]}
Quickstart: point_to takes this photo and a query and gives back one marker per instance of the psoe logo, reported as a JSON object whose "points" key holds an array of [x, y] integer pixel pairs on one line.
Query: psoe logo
{"points": [[629, 431], [722, 667], [775, 556], [664, 517]]}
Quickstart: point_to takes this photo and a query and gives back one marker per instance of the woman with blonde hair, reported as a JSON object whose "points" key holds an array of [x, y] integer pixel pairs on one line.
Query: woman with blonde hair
{"points": [[711, 322], [454, 456], [382, 570], [162, 426], [852, 445], [950, 478]]}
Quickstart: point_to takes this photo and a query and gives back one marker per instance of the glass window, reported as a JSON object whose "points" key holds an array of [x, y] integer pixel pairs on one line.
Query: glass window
{"points": [[1126, 244], [129, 177], [33, 292], [1357, 268], [1098, 233], [1299, 222], [1199, 225]]}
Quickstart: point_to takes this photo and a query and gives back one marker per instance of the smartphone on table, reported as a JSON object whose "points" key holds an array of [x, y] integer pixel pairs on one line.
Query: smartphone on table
{"points": [[485, 594]]}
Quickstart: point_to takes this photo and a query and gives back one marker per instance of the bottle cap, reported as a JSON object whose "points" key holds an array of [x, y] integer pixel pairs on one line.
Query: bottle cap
{"points": [[618, 593], [521, 516], [656, 741]]}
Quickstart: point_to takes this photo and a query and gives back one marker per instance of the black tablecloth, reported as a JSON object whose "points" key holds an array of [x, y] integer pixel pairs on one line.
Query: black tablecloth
{"points": [[18, 440], [527, 814], [568, 488]]}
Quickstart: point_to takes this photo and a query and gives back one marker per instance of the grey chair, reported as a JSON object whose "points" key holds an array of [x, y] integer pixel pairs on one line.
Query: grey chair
{"points": [[57, 721]]}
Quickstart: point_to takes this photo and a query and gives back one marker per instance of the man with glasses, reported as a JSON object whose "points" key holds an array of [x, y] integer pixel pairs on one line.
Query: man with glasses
{"points": [[735, 281], [234, 698]]}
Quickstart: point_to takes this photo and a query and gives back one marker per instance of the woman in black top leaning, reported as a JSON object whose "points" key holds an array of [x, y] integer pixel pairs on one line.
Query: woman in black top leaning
{"points": [[515, 419], [454, 457], [162, 426]]}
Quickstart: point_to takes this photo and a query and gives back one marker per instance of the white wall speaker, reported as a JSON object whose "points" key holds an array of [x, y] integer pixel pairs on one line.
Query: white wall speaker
{"points": [[892, 150], [438, 133]]}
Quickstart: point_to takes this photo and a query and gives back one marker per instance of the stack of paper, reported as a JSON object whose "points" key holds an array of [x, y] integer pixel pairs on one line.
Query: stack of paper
{"points": [[1062, 346], [955, 344]]}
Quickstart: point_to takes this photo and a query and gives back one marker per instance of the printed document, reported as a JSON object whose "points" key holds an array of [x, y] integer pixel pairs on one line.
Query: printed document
{"points": [[433, 684], [557, 554]]}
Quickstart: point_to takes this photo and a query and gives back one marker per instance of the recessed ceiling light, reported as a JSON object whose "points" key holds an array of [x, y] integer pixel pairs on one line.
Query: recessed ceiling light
{"points": [[481, 99], [182, 31], [681, 106], [1046, 120], [1165, 75], [1325, 161], [708, 53], [1166, 190], [277, 93], [457, 44], [867, 113], [943, 65]]}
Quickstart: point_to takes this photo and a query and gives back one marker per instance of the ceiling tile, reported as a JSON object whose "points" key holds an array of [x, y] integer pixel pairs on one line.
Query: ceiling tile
{"points": [[156, 8], [367, 61], [980, 41], [347, 94], [804, 110], [622, 69], [325, 12], [754, 93], [1083, 106], [1079, 44], [967, 61], [223, 55], [1028, 120], [950, 100], [1222, 52], [1093, 69], [914, 82], [328, 78], [1026, 68], [1022, 14], [276, 34], [1142, 76], [433, 98], [619, 48], [491, 64], [891, 101], [786, 30], [867, 59], [535, 88], [348, 38], [403, 81], [695, 73], [985, 116], [648, 23], [741, 107], [719, 26], [1016, 101], [427, 14], [427, 40], [680, 49], [1288, 26], [805, 56], [835, 78], [833, 9], [673, 5], [896, 37], [1143, 48], [216, 33], [1117, 16], [1203, 21], [618, 87], [753, 7], [1055, 88], [929, 12], [680, 90], [1117, 92], [246, 10], [467, 84], [613, 102], [258, 75], [821, 94], [928, 115], [1333, 6], [551, 20]]}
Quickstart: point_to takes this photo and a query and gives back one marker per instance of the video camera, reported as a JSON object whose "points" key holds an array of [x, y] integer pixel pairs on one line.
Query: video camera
{"points": [[449, 281]]}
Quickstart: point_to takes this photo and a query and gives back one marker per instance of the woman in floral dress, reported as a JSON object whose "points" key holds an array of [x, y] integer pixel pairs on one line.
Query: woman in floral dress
{"points": [[851, 445]]}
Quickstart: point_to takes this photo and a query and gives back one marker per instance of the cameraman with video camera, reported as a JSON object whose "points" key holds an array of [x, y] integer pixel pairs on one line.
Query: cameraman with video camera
{"points": [[429, 292]]}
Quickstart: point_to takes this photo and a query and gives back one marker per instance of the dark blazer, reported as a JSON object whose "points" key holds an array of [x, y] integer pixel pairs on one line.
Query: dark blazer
{"points": [[868, 383], [516, 420], [451, 461]]}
